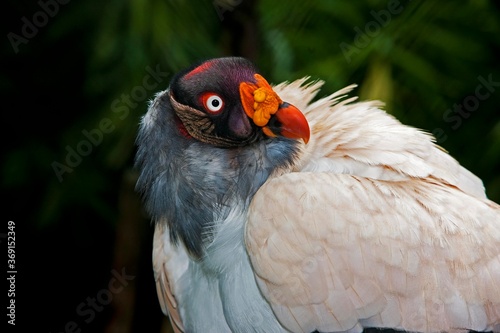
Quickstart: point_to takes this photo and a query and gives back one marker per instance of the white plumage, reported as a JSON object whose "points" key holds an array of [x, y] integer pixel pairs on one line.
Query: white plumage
{"points": [[373, 226]]}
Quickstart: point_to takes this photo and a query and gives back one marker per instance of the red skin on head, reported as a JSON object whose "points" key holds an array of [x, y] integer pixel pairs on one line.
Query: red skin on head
{"points": [[203, 67]]}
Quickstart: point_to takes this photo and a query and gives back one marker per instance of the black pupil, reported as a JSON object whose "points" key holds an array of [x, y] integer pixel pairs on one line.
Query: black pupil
{"points": [[215, 103]]}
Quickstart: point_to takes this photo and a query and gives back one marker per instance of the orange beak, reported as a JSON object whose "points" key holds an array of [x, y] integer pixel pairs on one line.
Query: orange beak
{"points": [[291, 123], [268, 111]]}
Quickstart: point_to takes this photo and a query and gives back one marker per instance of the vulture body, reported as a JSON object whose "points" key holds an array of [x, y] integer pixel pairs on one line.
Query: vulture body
{"points": [[332, 219]]}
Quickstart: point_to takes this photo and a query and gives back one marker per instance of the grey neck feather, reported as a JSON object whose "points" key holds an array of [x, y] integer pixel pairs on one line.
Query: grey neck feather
{"points": [[190, 184]]}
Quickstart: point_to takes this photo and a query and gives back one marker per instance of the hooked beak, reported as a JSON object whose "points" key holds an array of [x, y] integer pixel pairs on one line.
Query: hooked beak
{"points": [[268, 111]]}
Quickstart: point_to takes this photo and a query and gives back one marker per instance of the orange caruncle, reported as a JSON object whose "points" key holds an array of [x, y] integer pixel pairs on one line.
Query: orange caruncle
{"points": [[259, 100]]}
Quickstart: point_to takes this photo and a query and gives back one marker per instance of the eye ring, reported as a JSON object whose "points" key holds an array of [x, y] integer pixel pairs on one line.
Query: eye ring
{"points": [[212, 102]]}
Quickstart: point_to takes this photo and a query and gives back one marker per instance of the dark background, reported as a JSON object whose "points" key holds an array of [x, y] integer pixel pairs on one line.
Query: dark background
{"points": [[75, 78]]}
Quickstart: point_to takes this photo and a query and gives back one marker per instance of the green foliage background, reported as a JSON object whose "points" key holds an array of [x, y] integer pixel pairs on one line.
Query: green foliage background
{"points": [[421, 61]]}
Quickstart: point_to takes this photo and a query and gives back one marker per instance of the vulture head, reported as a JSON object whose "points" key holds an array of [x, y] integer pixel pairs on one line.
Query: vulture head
{"points": [[214, 135], [225, 103]]}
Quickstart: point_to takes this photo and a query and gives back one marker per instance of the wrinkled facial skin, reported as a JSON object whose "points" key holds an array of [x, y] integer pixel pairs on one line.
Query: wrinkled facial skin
{"points": [[222, 78]]}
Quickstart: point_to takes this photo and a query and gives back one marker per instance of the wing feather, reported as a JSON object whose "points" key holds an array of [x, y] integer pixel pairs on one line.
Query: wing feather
{"points": [[168, 265], [332, 251]]}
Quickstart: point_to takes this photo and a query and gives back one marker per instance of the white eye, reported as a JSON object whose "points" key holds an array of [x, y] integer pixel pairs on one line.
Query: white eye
{"points": [[213, 103]]}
